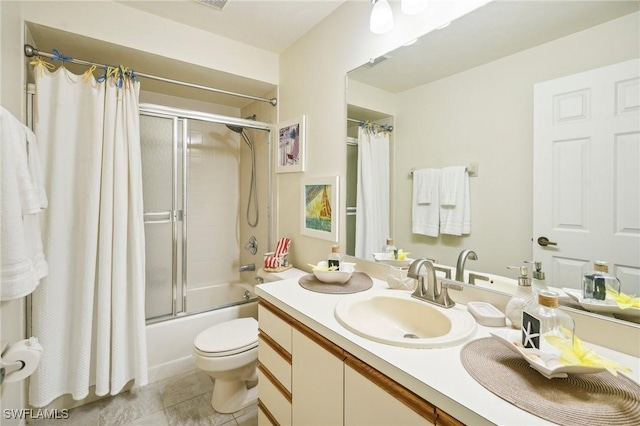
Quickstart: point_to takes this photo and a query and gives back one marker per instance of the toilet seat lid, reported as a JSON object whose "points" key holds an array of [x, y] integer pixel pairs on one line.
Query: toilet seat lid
{"points": [[229, 336]]}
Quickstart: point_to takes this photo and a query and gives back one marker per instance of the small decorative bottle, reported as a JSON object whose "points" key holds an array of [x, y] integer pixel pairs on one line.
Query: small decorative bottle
{"points": [[522, 297], [390, 250], [595, 283], [545, 319], [334, 258], [537, 279]]}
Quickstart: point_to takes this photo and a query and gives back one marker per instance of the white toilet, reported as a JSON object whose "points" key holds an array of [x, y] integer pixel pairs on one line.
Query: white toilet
{"points": [[228, 352]]}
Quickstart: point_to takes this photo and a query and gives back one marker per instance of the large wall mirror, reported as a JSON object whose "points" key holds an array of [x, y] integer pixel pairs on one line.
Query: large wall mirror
{"points": [[464, 94]]}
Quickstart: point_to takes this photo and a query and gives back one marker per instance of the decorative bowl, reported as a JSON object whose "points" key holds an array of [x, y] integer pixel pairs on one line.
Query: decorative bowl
{"points": [[332, 277], [545, 364]]}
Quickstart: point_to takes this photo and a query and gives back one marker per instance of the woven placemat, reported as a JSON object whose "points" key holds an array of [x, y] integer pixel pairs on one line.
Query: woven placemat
{"points": [[359, 281], [580, 399]]}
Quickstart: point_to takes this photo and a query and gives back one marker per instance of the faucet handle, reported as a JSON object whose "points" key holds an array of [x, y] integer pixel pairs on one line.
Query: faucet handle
{"points": [[444, 299]]}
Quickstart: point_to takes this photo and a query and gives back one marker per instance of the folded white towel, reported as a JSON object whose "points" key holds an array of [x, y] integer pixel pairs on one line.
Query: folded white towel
{"points": [[455, 215], [426, 182], [451, 183], [425, 212], [23, 263]]}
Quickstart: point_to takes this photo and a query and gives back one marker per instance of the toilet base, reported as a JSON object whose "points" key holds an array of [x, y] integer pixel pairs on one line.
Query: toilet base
{"points": [[230, 396]]}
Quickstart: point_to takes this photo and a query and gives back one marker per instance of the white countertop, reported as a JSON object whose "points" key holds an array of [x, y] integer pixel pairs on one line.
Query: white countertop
{"points": [[437, 375]]}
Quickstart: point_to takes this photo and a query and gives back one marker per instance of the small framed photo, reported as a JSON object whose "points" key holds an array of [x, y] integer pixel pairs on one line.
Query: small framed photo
{"points": [[291, 145], [319, 202]]}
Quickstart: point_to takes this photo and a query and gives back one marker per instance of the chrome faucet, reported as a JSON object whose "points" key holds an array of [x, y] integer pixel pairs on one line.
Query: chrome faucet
{"points": [[473, 277], [248, 267], [430, 293], [462, 259]]}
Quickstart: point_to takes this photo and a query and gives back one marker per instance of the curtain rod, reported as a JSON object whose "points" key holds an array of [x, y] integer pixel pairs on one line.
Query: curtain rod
{"points": [[31, 51], [353, 120]]}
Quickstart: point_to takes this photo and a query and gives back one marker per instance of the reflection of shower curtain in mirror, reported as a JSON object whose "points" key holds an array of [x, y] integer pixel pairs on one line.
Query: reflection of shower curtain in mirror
{"points": [[372, 218], [89, 311]]}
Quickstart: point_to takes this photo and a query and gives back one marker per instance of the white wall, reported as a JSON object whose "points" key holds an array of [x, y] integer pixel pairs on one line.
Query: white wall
{"points": [[369, 97], [486, 115], [312, 82]]}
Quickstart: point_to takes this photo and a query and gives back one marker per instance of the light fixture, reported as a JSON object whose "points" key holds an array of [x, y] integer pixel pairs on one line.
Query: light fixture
{"points": [[413, 7], [381, 21]]}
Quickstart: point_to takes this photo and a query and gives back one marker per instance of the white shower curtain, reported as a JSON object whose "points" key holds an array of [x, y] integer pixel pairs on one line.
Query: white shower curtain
{"points": [[88, 314], [372, 217]]}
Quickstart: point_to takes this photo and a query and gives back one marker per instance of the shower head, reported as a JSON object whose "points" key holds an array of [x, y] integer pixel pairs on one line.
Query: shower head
{"points": [[239, 129]]}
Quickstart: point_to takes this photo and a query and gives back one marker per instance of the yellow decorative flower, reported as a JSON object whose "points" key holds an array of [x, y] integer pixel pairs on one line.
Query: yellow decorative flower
{"points": [[402, 255], [579, 355], [624, 301]]}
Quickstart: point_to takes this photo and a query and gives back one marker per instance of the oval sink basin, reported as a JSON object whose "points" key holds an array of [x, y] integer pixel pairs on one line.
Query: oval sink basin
{"points": [[395, 318]]}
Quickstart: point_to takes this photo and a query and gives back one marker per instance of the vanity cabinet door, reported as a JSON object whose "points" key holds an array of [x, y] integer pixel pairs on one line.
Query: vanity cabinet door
{"points": [[372, 399], [317, 378]]}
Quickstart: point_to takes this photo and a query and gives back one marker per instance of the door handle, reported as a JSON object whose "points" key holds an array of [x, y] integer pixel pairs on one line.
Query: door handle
{"points": [[544, 241]]}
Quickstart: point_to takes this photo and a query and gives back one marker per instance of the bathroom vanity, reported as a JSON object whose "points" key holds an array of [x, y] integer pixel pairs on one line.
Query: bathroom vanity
{"points": [[313, 370]]}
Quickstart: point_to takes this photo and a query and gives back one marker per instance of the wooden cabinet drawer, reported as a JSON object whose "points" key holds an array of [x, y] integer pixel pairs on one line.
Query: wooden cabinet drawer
{"points": [[264, 416], [276, 402], [273, 357], [275, 327]]}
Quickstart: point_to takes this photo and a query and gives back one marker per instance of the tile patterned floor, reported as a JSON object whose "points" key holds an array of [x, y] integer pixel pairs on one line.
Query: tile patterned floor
{"points": [[177, 401]]}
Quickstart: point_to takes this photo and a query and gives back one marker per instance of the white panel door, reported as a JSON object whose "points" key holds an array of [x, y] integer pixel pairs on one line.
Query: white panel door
{"points": [[586, 174]]}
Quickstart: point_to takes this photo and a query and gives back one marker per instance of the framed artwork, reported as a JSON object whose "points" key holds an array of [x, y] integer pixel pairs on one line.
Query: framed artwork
{"points": [[320, 208], [291, 146]]}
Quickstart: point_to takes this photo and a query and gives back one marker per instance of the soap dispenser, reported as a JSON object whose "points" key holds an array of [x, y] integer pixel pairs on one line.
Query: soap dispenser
{"points": [[537, 279], [596, 282], [334, 259], [521, 298]]}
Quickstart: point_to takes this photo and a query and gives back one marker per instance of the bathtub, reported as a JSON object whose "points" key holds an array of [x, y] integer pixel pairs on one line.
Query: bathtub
{"points": [[170, 343]]}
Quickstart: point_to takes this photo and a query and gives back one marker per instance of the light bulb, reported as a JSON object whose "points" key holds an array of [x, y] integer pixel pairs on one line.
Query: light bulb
{"points": [[413, 7], [381, 17]]}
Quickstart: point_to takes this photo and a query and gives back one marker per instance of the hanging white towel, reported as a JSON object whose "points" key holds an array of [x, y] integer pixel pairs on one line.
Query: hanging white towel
{"points": [[425, 212], [23, 263], [451, 183], [455, 216]]}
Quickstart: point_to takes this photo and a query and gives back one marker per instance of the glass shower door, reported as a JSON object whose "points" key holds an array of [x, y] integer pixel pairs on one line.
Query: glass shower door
{"points": [[163, 192]]}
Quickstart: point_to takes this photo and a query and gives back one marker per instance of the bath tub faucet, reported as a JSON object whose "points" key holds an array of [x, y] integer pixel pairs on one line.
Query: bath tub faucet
{"points": [[248, 267], [462, 259]]}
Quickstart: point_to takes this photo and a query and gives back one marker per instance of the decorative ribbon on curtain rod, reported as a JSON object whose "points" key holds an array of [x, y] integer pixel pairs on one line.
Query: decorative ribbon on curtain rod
{"points": [[372, 126], [31, 51], [376, 128]]}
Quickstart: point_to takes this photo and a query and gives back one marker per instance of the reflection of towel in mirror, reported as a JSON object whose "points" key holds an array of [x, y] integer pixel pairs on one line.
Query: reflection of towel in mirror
{"points": [[425, 212], [455, 206]]}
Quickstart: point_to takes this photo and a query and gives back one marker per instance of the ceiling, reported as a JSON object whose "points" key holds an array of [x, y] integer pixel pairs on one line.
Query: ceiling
{"points": [[496, 30], [258, 23]]}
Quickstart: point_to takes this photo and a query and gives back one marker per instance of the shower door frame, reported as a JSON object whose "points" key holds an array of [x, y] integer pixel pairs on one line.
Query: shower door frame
{"points": [[184, 115]]}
